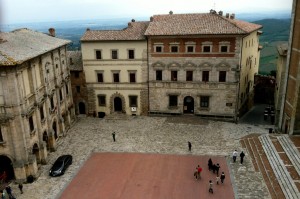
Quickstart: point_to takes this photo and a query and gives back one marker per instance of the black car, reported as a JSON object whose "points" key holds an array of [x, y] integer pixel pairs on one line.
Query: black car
{"points": [[60, 165]]}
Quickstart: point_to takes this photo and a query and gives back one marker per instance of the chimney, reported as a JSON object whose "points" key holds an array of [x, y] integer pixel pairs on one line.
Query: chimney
{"points": [[151, 18], [232, 16], [227, 15], [171, 12], [132, 20], [221, 13], [52, 32]]}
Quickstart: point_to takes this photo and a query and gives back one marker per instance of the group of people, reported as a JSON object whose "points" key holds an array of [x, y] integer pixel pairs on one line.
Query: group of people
{"points": [[235, 154], [215, 169], [9, 192]]}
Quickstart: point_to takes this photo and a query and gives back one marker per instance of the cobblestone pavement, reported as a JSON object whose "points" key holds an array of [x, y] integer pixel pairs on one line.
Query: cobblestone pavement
{"points": [[167, 135]]}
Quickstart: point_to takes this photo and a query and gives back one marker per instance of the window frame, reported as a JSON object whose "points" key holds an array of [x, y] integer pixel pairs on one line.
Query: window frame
{"points": [[189, 77], [101, 100], [116, 77], [205, 46], [114, 54], [222, 76], [205, 78], [77, 89], [98, 54], [132, 99], [173, 47], [173, 100], [204, 101], [227, 48], [1, 136], [156, 75], [31, 123], [131, 53], [174, 75], [42, 115], [100, 77]]}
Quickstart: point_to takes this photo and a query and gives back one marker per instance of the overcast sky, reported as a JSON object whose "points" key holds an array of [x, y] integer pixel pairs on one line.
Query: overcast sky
{"points": [[19, 11]]}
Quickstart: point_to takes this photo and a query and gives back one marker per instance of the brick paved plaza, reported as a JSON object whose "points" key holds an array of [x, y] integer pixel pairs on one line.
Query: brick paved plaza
{"points": [[151, 135]]}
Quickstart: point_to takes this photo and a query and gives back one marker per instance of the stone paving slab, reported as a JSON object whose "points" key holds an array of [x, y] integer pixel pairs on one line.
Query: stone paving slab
{"points": [[150, 135]]}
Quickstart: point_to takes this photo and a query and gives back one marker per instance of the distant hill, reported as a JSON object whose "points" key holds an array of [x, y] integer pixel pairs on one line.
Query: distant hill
{"points": [[275, 32]]}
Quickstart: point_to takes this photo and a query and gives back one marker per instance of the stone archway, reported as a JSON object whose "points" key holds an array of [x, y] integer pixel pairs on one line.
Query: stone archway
{"points": [[81, 108], [6, 169], [54, 127], [117, 103], [188, 104], [36, 152]]}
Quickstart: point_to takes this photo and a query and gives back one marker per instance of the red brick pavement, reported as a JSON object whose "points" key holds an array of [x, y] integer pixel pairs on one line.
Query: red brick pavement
{"points": [[146, 176]]}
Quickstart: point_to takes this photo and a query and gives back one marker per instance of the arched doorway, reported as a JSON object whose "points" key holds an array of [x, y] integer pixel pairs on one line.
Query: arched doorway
{"points": [[81, 107], [54, 127], [118, 104], [36, 152], [45, 139], [6, 169], [188, 104]]}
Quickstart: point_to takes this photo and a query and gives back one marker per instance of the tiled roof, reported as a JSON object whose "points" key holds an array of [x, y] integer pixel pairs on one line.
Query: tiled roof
{"points": [[76, 64], [134, 31], [195, 24], [21, 45]]}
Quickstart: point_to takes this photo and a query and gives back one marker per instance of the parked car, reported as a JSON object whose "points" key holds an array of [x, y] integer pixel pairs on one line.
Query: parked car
{"points": [[60, 165]]}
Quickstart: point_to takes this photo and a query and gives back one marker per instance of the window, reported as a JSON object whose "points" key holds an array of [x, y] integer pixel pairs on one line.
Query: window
{"points": [[56, 65], [174, 49], [190, 49], [76, 74], [133, 101], [101, 100], [71, 61], [224, 49], [204, 101], [42, 113], [173, 75], [60, 95], [78, 89], [31, 125], [52, 103], [116, 77], [98, 54], [99, 77], [114, 54], [205, 76], [1, 136], [173, 100], [189, 75], [222, 76], [158, 49], [67, 89], [130, 54], [159, 75], [131, 77], [206, 49]]}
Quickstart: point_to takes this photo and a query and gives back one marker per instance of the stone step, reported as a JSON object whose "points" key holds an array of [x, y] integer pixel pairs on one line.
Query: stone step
{"points": [[291, 151], [286, 182]]}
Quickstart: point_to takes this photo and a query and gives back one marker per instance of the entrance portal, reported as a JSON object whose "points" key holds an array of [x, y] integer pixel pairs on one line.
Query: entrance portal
{"points": [[6, 169], [118, 104], [81, 106], [188, 105]]}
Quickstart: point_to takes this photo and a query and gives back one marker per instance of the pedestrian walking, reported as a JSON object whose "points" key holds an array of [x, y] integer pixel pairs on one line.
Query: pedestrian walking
{"points": [[199, 170], [217, 167], [214, 167], [114, 136], [9, 192], [242, 155], [190, 145], [217, 179], [210, 164], [210, 187], [222, 177], [234, 155], [21, 187]]}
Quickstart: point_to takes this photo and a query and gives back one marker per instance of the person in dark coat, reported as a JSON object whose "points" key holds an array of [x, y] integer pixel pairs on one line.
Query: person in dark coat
{"points": [[242, 155], [210, 164], [21, 188], [114, 136], [213, 168], [9, 192], [190, 145], [217, 168], [222, 177]]}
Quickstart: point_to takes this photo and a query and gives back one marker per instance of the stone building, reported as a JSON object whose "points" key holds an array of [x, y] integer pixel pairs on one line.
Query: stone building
{"points": [[282, 50], [289, 118], [78, 82], [115, 66], [202, 64], [35, 99]]}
